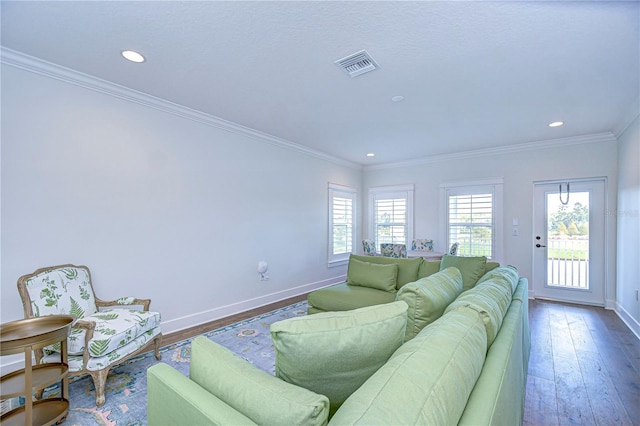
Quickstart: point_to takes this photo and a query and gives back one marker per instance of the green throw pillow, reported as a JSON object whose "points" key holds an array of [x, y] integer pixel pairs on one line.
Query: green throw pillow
{"points": [[471, 268], [491, 299], [428, 298], [428, 267], [373, 275], [407, 267], [491, 266], [263, 398], [508, 273], [334, 353]]}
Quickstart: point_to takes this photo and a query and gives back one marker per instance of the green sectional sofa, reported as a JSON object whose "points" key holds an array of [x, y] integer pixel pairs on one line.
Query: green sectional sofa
{"points": [[450, 347], [368, 280]]}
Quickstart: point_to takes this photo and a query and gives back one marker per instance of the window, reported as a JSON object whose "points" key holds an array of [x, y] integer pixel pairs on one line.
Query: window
{"points": [[391, 214], [341, 223], [472, 214]]}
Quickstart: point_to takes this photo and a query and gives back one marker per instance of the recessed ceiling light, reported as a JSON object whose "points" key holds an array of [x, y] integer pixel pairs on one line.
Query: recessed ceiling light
{"points": [[397, 98], [371, 154], [556, 124], [133, 56]]}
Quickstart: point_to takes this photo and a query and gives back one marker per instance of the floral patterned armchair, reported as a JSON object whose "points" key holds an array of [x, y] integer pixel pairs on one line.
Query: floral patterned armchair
{"points": [[105, 333], [422, 244], [369, 247], [393, 250]]}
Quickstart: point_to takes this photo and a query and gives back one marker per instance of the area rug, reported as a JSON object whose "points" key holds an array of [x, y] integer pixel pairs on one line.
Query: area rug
{"points": [[126, 387]]}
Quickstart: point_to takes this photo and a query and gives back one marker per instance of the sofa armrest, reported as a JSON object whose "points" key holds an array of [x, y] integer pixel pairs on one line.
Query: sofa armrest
{"points": [[175, 399], [262, 397]]}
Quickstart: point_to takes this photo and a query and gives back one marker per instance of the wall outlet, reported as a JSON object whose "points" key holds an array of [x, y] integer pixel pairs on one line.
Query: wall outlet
{"points": [[263, 267]]}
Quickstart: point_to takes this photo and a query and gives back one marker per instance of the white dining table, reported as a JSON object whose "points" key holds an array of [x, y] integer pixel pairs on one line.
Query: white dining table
{"points": [[426, 254]]}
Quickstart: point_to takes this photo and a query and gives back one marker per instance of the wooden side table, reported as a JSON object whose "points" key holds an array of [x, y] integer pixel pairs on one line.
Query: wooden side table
{"points": [[24, 336]]}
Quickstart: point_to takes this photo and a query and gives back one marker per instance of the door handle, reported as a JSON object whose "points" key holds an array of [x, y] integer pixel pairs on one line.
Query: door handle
{"points": [[539, 245]]}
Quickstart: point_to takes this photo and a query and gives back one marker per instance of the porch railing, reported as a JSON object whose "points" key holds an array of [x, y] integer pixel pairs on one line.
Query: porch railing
{"points": [[568, 262]]}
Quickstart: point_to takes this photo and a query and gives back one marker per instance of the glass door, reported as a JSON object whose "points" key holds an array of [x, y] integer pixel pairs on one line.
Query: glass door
{"points": [[569, 256]]}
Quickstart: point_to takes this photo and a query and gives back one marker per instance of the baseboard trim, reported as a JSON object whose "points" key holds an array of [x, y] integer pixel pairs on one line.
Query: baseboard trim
{"points": [[629, 321], [204, 317]]}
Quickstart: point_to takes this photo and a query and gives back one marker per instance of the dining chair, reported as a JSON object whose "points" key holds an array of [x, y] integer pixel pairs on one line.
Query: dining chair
{"points": [[393, 250]]}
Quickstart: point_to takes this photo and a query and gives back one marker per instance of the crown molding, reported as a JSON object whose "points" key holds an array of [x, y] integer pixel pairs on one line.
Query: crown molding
{"points": [[633, 112], [529, 146], [39, 66]]}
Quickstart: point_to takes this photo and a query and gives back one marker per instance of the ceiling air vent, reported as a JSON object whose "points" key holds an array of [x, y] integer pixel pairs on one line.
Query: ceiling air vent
{"points": [[358, 63]]}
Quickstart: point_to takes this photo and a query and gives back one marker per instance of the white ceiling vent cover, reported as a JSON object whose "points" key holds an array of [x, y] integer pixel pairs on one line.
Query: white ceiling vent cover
{"points": [[358, 63]]}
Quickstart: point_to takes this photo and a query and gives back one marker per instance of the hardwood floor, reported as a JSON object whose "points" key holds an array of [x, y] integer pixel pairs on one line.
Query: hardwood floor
{"points": [[171, 338], [584, 367]]}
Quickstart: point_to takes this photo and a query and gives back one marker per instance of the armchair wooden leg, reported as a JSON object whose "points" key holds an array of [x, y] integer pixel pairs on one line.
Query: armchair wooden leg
{"points": [[99, 381], [156, 347]]}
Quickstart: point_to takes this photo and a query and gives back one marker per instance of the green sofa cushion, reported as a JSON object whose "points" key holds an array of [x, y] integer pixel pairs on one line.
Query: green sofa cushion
{"points": [[407, 268], [260, 396], [508, 273], [428, 297], [472, 268], [428, 267], [427, 380], [334, 353], [344, 297], [372, 275], [491, 299]]}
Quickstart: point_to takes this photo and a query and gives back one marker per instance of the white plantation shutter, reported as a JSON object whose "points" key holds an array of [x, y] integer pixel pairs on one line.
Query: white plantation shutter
{"points": [[341, 222], [471, 223], [391, 214], [472, 215], [342, 225]]}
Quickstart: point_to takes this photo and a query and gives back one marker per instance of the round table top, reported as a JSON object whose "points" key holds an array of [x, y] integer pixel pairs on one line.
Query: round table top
{"points": [[16, 336]]}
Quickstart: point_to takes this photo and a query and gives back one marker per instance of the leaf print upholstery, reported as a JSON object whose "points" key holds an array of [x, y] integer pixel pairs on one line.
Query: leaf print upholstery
{"points": [[70, 273], [76, 309], [105, 334], [422, 244], [369, 247], [98, 347], [393, 250], [65, 291], [114, 328]]}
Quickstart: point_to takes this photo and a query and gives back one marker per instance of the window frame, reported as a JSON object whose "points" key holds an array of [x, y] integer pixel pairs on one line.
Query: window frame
{"points": [[334, 189], [493, 186], [391, 192]]}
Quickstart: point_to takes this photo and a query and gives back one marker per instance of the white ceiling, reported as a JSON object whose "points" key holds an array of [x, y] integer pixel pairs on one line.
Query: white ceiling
{"points": [[474, 75]]}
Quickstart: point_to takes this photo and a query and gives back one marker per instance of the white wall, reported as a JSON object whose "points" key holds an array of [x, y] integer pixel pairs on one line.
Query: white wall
{"points": [[628, 216], [157, 205], [519, 171]]}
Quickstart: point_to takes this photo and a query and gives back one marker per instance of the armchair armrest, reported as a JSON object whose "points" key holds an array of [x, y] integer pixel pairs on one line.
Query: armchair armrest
{"points": [[124, 301], [89, 326]]}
